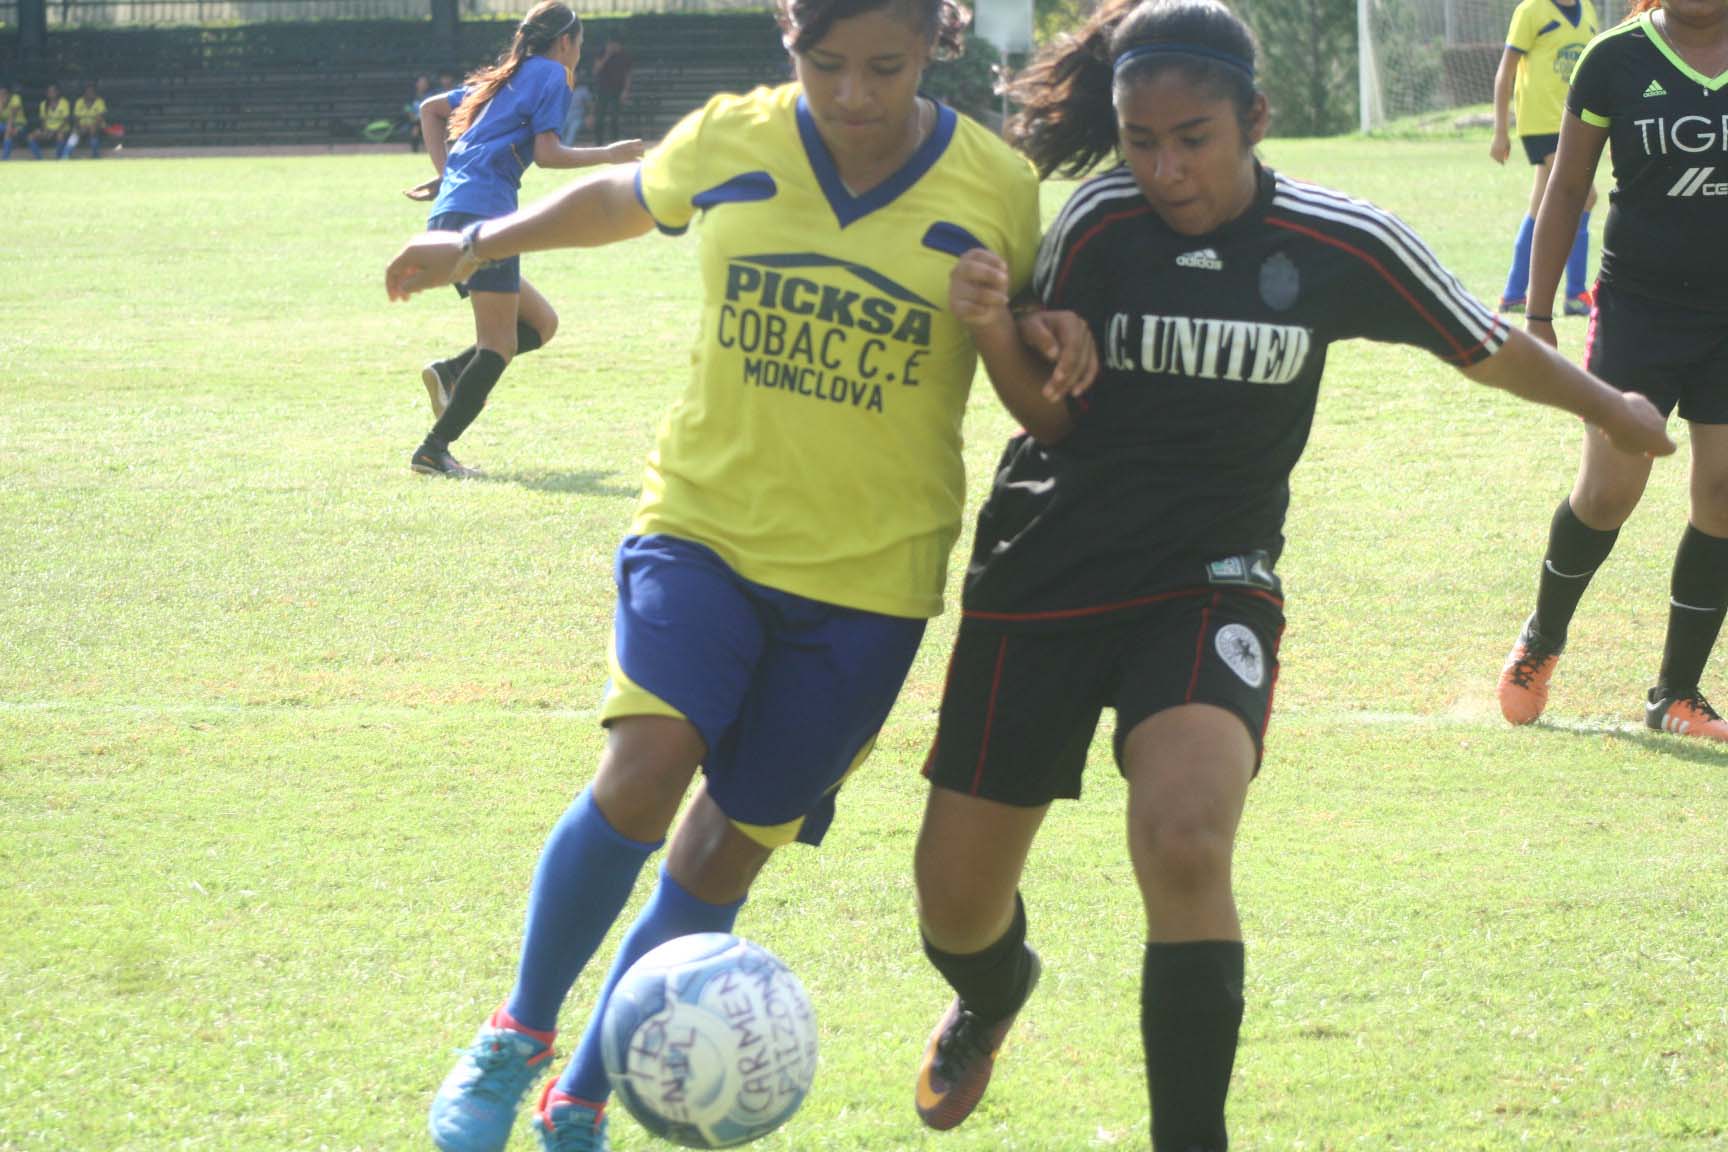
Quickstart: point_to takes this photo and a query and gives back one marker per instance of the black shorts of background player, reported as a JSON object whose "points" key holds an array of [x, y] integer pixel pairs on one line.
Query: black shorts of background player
{"points": [[1648, 89], [1126, 555]]}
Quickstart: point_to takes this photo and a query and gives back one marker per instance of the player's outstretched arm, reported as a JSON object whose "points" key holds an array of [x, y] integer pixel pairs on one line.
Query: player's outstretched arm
{"points": [[1531, 370], [1034, 364], [601, 209], [550, 152]]}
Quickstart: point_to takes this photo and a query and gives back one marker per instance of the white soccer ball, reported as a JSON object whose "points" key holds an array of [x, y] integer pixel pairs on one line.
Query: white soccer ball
{"points": [[709, 1041]]}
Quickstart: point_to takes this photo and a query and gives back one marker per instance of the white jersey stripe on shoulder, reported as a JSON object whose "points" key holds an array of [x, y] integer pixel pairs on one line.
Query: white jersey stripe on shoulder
{"points": [[1413, 245], [1468, 312], [1474, 320], [1093, 194], [1107, 187], [1328, 204]]}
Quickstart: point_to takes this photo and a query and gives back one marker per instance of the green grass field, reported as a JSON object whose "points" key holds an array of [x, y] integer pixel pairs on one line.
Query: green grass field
{"points": [[282, 726]]}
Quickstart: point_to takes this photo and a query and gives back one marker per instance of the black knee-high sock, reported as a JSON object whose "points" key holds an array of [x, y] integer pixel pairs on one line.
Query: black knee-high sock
{"points": [[458, 363], [991, 983], [527, 340], [1699, 596], [1575, 551], [1190, 1015], [468, 396]]}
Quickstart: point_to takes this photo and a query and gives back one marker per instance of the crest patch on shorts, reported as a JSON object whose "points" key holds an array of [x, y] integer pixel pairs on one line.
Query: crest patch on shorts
{"points": [[1240, 649]]}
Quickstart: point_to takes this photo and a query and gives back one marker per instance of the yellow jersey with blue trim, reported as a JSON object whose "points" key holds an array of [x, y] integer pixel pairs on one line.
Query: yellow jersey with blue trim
{"points": [[1549, 38], [12, 112], [817, 447]]}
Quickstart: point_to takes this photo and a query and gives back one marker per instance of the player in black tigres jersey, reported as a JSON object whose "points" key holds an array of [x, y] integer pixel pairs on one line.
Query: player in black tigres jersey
{"points": [[1656, 87], [1126, 556]]}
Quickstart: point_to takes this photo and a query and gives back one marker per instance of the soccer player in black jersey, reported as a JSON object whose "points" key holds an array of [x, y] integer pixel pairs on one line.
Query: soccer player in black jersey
{"points": [[1655, 89], [1127, 554]]}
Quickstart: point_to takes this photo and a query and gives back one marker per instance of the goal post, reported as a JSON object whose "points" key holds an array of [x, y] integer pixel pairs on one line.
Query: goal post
{"points": [[1420, 60]]}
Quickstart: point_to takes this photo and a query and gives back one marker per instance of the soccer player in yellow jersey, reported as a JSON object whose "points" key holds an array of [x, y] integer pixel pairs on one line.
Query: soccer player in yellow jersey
{"points": [[90, 114], [799, 506], [53, 123], [1543, 45], [11, 120]]}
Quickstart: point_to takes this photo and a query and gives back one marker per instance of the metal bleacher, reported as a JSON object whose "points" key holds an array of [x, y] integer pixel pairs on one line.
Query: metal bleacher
{"points": [[322, 82]]}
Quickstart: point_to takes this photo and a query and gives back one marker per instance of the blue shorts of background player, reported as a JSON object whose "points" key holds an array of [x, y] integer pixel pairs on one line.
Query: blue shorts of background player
{"points": [[1539, 148], [498, 276]]}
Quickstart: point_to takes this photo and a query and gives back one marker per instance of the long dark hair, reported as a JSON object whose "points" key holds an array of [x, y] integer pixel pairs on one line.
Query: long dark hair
{"points": [[545, 22], [804, 23], [1067, 117]]}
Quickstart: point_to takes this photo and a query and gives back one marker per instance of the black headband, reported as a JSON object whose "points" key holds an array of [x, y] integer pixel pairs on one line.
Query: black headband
{"points": [[1178, 48]]}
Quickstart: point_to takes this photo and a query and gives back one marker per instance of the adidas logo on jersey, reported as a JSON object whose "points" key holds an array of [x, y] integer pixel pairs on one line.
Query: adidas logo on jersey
{"points": [[1655, 89], [1206, 258]]}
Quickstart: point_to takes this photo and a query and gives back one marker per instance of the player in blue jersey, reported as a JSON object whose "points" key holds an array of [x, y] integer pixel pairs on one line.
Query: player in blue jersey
{"points": [[481, 137], [1651, 90], [798, 509], [1127, 555]]}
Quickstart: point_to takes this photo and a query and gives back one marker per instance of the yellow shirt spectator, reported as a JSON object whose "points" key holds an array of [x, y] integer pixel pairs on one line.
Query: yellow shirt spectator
{"points": [[54, 116], [12, 113], [90, 114]]}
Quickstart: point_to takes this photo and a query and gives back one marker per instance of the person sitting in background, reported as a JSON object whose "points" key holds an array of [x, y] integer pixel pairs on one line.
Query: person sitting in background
{"points": [[90, 116], [11, 120], [580, 116], [53, 123], [611, 90], [411, 111]]}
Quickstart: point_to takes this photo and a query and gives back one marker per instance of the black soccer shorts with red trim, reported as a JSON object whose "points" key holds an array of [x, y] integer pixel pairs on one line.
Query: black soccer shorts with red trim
{"points": [[1021, 706], [1675, 356]]}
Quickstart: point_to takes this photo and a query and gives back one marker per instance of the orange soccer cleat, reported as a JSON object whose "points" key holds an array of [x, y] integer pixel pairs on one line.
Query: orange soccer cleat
{"points": [[1686, 714], [1523, 689]]}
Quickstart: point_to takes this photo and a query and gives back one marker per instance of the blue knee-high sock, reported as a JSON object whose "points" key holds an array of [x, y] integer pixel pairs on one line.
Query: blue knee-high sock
{"points": [[95, 147], [6, 149], [1518, 280], [1578, 263], [35, 149], [582, 882], [671, 912]]}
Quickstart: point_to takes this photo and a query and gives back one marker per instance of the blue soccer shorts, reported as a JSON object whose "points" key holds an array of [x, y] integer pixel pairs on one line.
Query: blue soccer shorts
{"points": [[787, 693], [499, 276]]}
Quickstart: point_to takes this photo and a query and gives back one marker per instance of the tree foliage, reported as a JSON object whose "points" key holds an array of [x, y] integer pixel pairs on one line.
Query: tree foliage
{"points": [[1308, 56]]}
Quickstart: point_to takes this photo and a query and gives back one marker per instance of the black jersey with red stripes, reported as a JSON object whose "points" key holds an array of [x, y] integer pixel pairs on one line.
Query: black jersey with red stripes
{"points": [[1667, 232], [1212, 348]]}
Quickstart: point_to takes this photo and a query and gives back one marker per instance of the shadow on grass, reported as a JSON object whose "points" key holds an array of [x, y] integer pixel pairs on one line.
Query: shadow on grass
{"points": [[1679, 747], [581, 483]]}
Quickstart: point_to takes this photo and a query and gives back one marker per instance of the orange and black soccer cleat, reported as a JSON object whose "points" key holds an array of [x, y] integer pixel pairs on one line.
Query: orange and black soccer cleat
{"points": [[1687, 714], [1523, 689], [959, 1059]]}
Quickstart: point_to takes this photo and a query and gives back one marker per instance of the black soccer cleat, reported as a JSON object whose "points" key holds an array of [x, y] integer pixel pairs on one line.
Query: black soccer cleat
{"points": [[429, 461], [960, 1057], [439, 385]]}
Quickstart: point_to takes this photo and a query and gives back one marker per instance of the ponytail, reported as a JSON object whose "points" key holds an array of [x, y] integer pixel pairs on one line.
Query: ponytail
{"points": [[539, 30], [1067, 118], [1640, 7]]}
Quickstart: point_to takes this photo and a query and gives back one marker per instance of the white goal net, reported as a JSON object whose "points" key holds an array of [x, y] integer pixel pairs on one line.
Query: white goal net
{"points": [[1432, 61]]}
